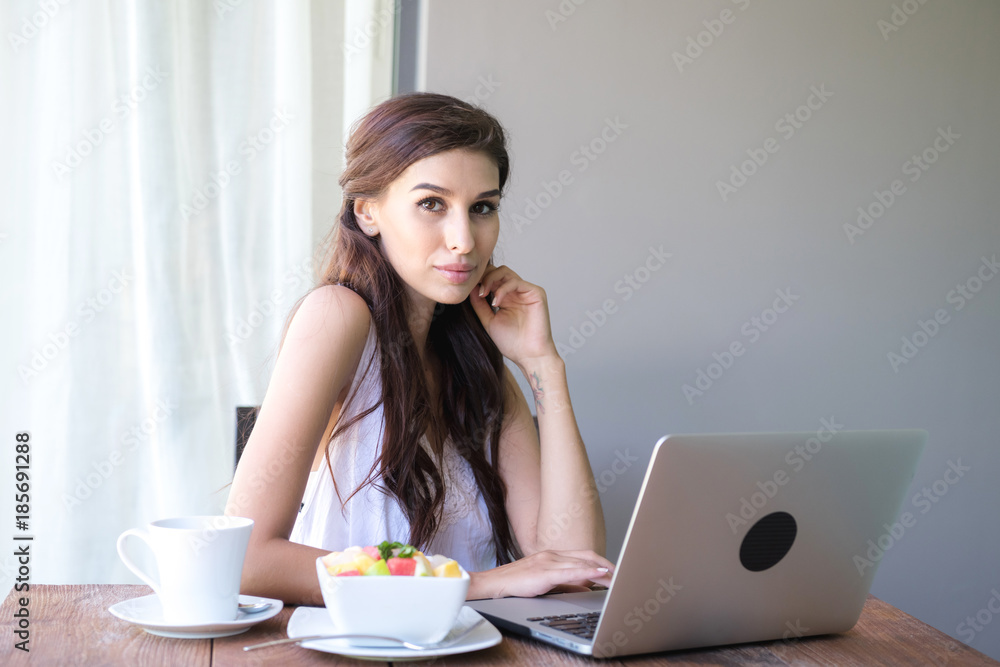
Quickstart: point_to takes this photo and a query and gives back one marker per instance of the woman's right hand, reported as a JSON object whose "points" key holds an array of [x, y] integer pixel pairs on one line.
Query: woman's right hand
{"points": [[540, 573]]}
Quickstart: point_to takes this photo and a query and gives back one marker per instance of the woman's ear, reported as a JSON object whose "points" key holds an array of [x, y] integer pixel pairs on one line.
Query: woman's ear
{"points": [[364, 213]]}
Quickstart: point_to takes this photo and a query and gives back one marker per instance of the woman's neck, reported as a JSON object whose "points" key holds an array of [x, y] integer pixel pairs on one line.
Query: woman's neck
{"points": [[421, 313]]}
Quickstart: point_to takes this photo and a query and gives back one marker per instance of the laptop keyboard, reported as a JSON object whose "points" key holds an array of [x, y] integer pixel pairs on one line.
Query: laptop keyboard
{"points": [[582, 625]]}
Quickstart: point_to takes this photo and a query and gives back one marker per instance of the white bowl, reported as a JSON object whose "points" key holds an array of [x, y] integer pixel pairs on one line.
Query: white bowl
{"points": [[421, 610]]}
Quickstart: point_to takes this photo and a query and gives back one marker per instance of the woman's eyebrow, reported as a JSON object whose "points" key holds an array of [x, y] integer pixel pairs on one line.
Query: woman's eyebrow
{"points": [[447, 193]]}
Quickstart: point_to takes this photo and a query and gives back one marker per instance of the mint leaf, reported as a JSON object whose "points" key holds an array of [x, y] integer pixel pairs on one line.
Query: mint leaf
{"points": [[386, 547], [407, 552]]}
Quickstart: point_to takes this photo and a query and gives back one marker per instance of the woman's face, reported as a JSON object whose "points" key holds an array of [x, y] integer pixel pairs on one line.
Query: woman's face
{"points": [[438, 223]]}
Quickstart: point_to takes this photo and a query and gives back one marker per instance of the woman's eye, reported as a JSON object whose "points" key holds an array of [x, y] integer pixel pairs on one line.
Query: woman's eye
{"points": [[433, 205], [484, 208]]}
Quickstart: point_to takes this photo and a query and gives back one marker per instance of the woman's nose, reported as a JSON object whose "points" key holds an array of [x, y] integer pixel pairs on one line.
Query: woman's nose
{"points": [[458, 234]]}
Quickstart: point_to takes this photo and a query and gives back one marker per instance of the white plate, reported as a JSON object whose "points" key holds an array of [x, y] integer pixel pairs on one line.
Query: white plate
{"points": [[148, 613], [307, 621]]}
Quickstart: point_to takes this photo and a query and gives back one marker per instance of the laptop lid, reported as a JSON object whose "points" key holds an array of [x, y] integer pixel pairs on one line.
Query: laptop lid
{"points": [[743, 537]]}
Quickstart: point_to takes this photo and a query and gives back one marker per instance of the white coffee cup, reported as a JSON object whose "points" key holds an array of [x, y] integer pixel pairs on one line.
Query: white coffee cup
{"points": [[200, 562]]}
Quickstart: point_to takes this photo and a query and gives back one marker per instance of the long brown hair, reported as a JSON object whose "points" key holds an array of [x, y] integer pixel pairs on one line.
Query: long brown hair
{"points": [[470, 407]]}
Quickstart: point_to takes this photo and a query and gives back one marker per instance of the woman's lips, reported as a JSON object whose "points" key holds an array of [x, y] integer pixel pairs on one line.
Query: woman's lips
{"points": [[456, 273]]}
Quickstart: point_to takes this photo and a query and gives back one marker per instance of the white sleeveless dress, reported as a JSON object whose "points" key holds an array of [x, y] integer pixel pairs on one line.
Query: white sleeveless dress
{"points": [[464, 529]]}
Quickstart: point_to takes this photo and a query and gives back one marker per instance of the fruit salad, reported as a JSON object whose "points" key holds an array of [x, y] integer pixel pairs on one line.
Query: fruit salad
{"points": [[388, 559]]}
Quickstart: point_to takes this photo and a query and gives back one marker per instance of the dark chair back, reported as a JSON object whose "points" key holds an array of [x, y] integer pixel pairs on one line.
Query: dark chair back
{"points": [[246, 417]]}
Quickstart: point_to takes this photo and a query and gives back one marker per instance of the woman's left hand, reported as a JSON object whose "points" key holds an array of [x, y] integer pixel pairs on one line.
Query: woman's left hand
{"points": [[542, 572], [520, 326]]}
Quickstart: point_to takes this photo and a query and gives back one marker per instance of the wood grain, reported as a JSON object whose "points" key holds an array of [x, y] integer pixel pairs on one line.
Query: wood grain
{"points": [[229, 650], [71, 625]]}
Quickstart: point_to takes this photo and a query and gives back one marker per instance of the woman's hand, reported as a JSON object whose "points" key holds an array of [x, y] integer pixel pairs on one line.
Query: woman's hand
{"points": [[542, 572], [520, 326]]}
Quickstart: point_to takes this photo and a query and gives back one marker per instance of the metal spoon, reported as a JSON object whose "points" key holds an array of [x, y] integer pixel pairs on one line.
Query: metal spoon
{"points": [[448, 641], [254, 607]]}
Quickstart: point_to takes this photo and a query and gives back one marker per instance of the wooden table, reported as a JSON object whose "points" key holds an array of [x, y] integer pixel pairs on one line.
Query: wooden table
{"points": [[71, 625]]}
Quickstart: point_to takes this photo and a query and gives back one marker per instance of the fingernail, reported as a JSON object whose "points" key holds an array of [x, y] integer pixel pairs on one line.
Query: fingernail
{"points": [[494, 304], [602, 569], [480, 290]]}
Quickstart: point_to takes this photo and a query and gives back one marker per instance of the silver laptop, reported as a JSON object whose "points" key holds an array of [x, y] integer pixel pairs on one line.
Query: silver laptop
{"points": [[738, 538]]}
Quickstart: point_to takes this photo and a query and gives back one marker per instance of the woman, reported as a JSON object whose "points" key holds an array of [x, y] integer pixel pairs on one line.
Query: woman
{"points": [[391, 413]]}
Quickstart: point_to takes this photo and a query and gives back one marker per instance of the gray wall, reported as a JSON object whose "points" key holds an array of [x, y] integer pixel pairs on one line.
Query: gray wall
{"points": [[664, 133]]}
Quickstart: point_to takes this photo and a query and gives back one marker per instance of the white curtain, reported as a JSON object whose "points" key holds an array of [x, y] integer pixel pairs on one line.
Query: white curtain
{"points": [[159, 183]]}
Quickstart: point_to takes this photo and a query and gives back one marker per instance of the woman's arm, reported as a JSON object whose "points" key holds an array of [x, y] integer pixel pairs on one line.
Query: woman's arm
{"points": [[562, 547], [552, 500], [320, 352], [567, 508]]}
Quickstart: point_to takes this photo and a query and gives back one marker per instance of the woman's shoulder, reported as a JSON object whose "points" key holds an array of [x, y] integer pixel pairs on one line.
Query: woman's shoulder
{"points": [[340, 300], [331, 312]]}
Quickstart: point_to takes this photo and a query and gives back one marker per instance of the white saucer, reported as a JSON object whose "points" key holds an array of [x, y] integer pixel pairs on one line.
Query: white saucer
{"points": [[307, 621], [147, 613]]}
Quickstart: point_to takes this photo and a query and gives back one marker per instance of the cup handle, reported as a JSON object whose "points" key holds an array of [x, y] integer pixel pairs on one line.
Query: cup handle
{"points": [[144, 536]]}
